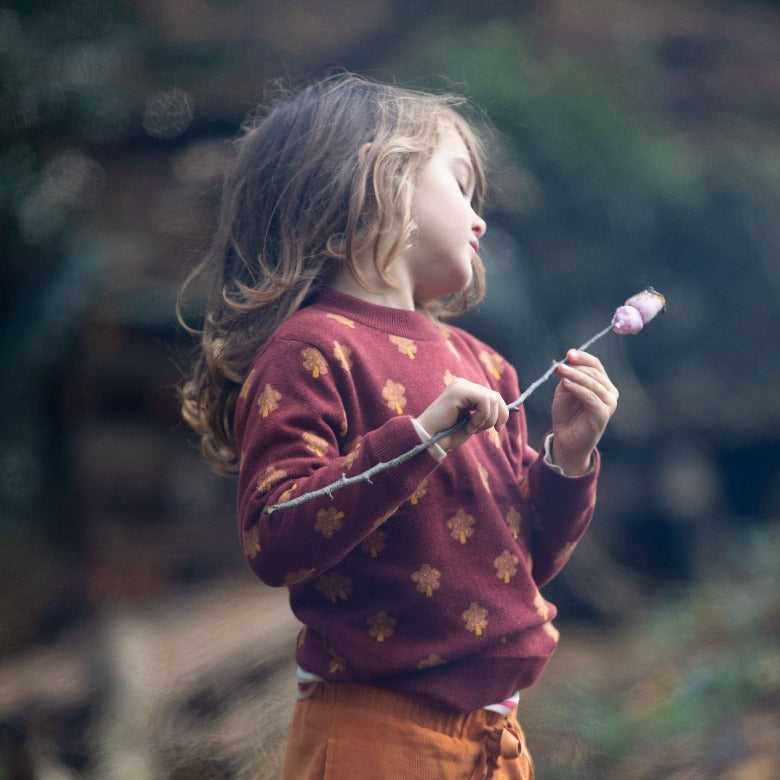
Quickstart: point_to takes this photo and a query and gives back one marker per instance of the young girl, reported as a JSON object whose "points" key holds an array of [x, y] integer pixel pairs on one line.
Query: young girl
{"points": [[349, 228]]}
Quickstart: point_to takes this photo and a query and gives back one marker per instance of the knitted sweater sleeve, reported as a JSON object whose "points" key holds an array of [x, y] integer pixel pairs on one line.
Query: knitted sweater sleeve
{"points": [[562, 507], [299, 429]]}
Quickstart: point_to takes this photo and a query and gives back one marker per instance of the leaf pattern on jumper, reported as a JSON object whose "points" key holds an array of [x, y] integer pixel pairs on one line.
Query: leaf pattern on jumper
{"points": [[297, 577], [493, 363], [251, 542], [343, 320], [475, 618], [381, 626], [270, 477], [247, 384], [421, 490], [268, 400], [461, 526], [314, 361], [564, 554], [405, 346], [328, 521], [484, 477], [552, 632], [540, 605], [447, 334], [334, 586], [353, 449], [374, 543], [506, 566], [434, 659], [514, 520], [337, 663], [427, 579], [343, 355], [287, 495], [314, 443], [395, 395]]}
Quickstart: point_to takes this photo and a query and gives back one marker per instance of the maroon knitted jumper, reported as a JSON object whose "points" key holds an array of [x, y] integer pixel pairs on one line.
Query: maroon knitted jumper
{"points": [[426, 580]]}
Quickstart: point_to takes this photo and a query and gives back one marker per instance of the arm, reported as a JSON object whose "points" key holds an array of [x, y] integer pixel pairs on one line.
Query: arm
{"points": [[299, 430], [584, 401]]}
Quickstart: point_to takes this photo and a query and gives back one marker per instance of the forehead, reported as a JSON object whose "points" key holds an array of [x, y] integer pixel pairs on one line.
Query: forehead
{"points": [[451, 144]]}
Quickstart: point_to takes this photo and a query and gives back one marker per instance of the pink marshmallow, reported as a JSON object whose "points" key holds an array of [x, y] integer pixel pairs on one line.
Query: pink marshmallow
{"points": [[648, 303], [627, 320]]}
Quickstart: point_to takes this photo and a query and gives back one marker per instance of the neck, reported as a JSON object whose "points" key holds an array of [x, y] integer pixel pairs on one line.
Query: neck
{"points": [[373, 290]]}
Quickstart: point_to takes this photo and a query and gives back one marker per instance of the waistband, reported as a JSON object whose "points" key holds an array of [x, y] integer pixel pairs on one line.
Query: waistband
{"points": [[406, 707]]}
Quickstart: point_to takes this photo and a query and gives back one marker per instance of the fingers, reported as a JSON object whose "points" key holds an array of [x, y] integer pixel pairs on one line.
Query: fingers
{"points": [[485, 408], [585, 377]]}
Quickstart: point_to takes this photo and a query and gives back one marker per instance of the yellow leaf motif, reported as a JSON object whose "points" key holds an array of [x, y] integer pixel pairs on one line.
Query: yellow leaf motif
{"points": [[315, 444], [506, 566], [381, 626], [493, 363], [337, 664], [513, 520], [422, 489], [374, 543], [343, 355], [247, 384], [552, 632], [427, 579], [252, 541], [405, 346], [525, 488], [269, 478], [447, 333], [564, 554], [434, 659], [343, 320], [494, 437], [541, 606], [352, 452], [475, 618], [483, 475], [460, 525], [314, 361], [287, 495], [334, 586], [328, 521], [449, 377], [297, 577], [268, 400], [395, 395]]}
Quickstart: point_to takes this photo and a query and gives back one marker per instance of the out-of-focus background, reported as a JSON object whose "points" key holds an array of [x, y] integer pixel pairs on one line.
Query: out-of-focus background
{"points": [[635, 143]]}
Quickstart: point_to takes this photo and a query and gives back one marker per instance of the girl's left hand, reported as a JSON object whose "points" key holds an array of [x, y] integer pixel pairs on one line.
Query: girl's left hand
{"points": [[583, 403]]}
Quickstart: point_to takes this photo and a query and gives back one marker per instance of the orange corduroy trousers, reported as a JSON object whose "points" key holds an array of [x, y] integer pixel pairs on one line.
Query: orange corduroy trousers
{"points": [[347, 731]]}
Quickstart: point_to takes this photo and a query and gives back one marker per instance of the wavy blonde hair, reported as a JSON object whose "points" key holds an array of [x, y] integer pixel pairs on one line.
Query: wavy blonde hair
{"points": [[315, 182]]}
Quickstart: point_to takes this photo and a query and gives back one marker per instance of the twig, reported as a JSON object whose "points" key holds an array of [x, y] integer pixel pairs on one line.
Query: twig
{"points": [[365, 476]]}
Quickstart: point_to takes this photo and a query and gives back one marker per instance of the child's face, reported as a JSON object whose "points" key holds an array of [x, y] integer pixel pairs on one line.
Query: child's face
{"points": [[446, 240]]}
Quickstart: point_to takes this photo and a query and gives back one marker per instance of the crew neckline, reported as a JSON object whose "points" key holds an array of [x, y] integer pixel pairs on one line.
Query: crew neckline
{"points": [[412, 324]]}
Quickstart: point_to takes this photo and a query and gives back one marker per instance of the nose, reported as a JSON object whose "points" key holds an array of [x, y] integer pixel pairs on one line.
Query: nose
{"points": [[478, 226]]}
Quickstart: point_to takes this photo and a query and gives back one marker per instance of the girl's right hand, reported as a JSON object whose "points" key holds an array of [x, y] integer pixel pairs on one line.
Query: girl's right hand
{"points": [[485, 407]]}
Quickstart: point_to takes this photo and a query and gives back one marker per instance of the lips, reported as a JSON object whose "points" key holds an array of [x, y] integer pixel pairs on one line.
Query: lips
{"points": [[475, 245]]}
